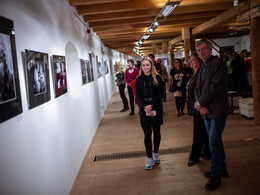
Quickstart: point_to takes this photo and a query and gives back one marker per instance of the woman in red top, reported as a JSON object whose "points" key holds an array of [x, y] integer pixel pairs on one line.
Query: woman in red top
{"points": [[130, 74]]}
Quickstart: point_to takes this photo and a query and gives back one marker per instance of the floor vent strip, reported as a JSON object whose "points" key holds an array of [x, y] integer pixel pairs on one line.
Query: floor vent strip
{"points": [[176, 150]]}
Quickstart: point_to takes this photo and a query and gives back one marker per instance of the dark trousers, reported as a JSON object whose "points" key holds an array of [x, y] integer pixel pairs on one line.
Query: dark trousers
{"points": [[131, 98], [180, 103], [200, 143], [122, 95], [148, 140], [215, 128], [164, 91]]}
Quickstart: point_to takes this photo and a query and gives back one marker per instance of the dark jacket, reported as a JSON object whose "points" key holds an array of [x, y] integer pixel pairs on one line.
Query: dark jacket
{"points": [[191, 94], [212, 90], [149, 94], [120, 78]]}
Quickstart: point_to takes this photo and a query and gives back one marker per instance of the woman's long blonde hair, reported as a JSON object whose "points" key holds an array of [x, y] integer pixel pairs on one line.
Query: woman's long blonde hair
{"points": [[121, 68], [153, 70]]}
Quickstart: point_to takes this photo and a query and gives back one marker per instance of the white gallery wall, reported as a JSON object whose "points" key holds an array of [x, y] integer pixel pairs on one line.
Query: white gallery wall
{"points": [[239, 43], [42, 149]]}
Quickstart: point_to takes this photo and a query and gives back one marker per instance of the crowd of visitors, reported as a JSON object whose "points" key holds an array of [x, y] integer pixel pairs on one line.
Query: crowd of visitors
{"points": [[202, 82], [239, 71]]}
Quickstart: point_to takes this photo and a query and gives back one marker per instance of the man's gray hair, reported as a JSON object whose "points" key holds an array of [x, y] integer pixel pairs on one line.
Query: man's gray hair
{"points": [[208, 43]]}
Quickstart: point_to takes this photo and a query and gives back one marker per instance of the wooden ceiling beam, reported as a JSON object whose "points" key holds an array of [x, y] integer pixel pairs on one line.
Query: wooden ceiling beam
{"points": [[121, 15], [122, 6], [90, 2], [227, 15], [176, 24], [150, 19], [137, 5], [120, 44], [153, 12], [161, 29], [175, 40], [132, 35]]}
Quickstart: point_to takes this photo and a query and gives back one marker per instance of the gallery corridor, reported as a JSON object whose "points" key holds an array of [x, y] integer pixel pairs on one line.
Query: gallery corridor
{"points": [[121, 133]]}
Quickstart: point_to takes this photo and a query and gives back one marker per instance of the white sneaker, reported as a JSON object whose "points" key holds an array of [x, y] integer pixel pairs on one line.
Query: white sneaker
{"points": [[149, 164], [156, 158]]}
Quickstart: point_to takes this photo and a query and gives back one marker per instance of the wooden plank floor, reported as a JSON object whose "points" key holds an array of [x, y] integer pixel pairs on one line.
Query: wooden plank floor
{"points": [[118, 132]]}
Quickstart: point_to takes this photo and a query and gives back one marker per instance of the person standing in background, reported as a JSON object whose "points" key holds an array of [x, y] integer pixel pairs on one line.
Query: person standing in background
{"points": [[120, 79], [165, 77], [211, 95], [157, 65], [200, 145], [177, 78], [130, 74], [248, 67]]}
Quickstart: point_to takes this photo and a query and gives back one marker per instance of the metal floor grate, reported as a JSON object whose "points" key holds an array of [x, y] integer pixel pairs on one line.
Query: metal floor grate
{"points": [[176, 150]]}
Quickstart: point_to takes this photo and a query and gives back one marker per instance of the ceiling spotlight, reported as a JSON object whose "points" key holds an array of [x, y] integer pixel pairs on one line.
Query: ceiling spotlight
{"points": [[168, 10], [156, 23]]}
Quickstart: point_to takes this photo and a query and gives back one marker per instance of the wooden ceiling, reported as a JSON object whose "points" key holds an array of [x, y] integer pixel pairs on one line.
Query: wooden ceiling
{"points": [[121, 23]]}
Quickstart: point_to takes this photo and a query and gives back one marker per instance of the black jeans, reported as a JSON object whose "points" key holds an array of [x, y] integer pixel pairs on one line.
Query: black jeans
{"points": [[148, 140], [200, 139], [131, 98], [180, 103], [122, 95]]}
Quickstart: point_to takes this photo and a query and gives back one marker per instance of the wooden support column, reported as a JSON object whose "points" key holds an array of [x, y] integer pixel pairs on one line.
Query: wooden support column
{"points": [[172, 56], [153, 48], [187, 41], [255, 50], [193, 42], [164, 47], [157, 51]]}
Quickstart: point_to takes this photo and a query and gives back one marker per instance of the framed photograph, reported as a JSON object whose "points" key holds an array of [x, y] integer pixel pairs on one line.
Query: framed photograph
{"points": [[37, 78], [10, 96], [91, 68], [89, 76], [83, 71], [106, 67], [116, 65], [99, 69], [59, 75]]}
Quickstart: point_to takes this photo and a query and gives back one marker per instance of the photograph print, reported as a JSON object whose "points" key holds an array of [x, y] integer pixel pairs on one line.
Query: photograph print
{"points": [[59, 75], [7, 85], [91, 68], [99, 69], [10, 97], [106, 67], [116, 66], [83, 71], [89, 76], [37, 78]]}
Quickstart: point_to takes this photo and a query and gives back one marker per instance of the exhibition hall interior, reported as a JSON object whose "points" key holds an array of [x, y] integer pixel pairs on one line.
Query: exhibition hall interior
{"points": [[66, 125]]}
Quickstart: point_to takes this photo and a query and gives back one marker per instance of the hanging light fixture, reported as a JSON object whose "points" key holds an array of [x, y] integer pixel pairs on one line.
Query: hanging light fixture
{"points": [[163, 14]]}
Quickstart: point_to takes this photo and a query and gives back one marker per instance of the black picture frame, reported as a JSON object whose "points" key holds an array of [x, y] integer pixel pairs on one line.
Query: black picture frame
{"points": [[83, 71], [37, 78], [59, 71], [10, 94], [91, 67]]}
